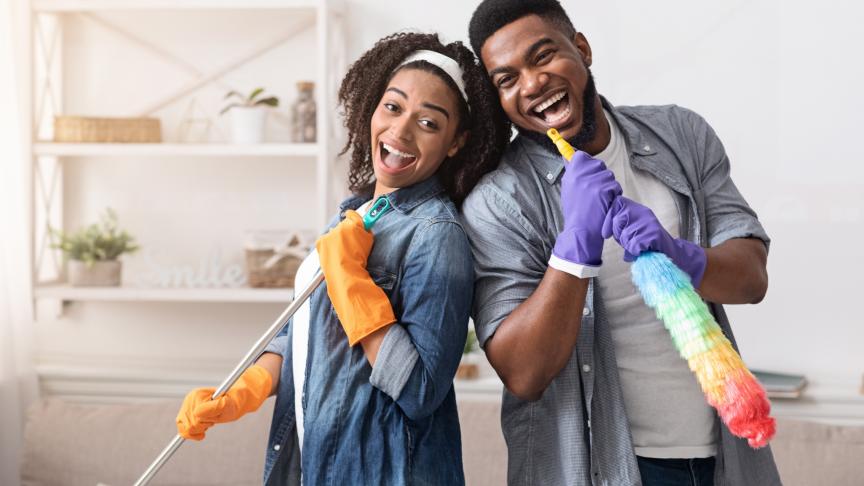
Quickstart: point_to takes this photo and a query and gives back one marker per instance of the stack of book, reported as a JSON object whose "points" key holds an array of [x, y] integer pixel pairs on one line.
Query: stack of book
{"points": [[781, 385]]}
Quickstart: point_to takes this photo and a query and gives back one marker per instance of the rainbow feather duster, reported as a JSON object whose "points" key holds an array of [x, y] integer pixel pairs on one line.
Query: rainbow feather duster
{"points": [[728, 385]]}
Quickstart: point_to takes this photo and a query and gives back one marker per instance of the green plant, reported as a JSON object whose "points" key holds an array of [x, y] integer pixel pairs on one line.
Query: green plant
{"points": [[253, 99], [471, 343], [98, 242]]}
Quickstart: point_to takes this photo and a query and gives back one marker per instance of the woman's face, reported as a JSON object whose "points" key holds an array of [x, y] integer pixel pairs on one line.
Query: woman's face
{"points": [[413, 129]]}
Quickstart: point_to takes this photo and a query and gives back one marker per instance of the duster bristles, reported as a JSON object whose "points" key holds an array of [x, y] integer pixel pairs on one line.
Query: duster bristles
{"points": [[728, 385]]}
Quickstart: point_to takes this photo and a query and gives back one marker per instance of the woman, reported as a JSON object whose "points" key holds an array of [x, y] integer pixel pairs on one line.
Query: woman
{"points": [[374, 352]]}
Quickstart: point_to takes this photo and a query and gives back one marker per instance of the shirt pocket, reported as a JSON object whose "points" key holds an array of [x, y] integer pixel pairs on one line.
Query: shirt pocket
{"points": [[384, 279]]}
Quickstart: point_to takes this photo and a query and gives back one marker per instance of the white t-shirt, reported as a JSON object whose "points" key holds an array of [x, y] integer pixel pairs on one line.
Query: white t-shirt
{"points": [[668, 413], [300, 330]]}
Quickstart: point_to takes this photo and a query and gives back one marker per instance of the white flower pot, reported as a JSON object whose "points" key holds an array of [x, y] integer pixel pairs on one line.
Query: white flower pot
{"points": [[247, 124], [101, 274]]}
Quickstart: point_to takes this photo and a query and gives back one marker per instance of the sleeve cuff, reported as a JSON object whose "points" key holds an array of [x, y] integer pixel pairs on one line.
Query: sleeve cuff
{"points": [[395, 362], [575, 269], [743, 228], [278, 345]]}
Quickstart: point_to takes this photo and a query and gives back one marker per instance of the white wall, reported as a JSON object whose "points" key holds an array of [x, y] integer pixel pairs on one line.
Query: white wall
{"points": [[781, 84], [779, 81]]}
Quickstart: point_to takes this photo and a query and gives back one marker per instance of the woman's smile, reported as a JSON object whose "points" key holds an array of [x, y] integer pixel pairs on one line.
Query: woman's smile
{"points": [[393, 160]]}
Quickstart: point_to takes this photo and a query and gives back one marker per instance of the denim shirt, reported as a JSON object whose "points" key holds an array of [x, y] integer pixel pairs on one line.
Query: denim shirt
{"points": [[578, 432], [395, 423]]}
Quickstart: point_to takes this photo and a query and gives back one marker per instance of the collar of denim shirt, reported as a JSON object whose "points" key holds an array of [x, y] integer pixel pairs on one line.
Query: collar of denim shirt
{"points": [[402, 200]]}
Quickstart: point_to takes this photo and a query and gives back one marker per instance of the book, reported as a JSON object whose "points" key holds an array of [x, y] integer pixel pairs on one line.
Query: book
{"points": [[781, 385]]}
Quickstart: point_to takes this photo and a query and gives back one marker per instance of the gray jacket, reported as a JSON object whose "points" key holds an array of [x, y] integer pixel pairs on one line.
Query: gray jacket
{"points": [[578, 432]]}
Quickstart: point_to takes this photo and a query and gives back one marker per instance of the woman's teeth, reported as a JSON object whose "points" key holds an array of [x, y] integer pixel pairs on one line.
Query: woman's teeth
{"points": [[395, 159], [396, 152]]}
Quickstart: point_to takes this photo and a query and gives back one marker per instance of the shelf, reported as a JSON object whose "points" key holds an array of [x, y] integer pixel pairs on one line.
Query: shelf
{"points": [[92, 5], [136, 294], [175, 149]]}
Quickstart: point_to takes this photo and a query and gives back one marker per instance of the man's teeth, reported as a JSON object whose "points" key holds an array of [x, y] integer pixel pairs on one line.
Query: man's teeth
{"points": [[564, 114], [551, 101], [396, 152]]}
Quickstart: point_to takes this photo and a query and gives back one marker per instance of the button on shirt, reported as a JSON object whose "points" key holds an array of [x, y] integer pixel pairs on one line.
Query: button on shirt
{"points": [[578, 432]]}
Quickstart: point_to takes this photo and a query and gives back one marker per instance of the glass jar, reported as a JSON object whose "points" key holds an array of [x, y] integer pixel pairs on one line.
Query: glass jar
{"points": [[303, 123]]}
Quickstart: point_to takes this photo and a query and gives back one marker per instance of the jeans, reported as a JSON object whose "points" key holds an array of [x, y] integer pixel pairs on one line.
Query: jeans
{"points": [[676, 472]]}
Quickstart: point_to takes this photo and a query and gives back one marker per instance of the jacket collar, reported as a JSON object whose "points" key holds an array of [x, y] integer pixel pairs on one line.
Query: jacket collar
{"points": [[402, 200]]}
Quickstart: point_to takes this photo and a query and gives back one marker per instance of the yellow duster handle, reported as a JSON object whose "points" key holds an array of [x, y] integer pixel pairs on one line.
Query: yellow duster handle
{"points": [[565, 148]]}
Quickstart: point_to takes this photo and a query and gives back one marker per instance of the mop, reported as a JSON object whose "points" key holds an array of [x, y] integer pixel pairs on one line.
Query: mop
{"points": [[378, 209], [728, 385]]}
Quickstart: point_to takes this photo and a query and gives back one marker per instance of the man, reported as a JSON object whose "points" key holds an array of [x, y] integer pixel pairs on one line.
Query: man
{"points": [[595, 391]]}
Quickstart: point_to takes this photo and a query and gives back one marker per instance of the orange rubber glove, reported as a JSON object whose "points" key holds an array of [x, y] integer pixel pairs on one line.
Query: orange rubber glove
{"points": [[362, 306], [198, 413]]}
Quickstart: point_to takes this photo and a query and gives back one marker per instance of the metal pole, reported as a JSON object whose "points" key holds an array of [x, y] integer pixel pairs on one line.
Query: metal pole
{"points": [[378, 208], [247, 361]]}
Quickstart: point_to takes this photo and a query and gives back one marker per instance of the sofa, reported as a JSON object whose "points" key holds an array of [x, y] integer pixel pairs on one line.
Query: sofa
{"points": [[83, 444]]}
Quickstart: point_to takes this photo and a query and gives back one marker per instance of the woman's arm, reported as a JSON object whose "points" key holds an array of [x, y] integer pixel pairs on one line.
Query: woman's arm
{"points": [[416, 359], [271, 362], [372, 343]]}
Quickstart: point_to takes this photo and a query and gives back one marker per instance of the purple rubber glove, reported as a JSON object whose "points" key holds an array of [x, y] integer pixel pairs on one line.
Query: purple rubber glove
{"points": [[636, 229], [587, 191]]}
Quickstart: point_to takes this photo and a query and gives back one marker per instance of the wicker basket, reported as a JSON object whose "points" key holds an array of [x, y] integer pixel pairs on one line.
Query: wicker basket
{"points": [[107, 130], [272, 261]]}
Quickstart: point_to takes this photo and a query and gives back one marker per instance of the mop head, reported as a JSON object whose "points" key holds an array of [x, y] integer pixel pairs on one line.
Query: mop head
{"points": [[727, 383]]}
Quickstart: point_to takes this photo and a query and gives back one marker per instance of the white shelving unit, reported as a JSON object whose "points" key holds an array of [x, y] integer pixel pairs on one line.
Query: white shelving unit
{"points": [[96, 5], [48, 158], [175, 150], [135, 294]]}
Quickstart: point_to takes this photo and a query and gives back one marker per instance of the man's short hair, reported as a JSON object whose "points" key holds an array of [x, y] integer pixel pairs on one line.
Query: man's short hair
{"points": [[491, 15]]}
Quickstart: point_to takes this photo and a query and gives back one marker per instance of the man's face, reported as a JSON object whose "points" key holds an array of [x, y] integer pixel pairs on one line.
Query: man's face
{"points": [[541, 76]]}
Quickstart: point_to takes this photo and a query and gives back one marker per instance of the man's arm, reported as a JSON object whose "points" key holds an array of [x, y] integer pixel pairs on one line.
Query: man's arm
{"points": [[736, 272], [536, 340], [536, 307]]}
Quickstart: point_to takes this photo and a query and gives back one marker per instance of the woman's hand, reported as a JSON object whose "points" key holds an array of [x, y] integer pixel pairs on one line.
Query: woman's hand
{"points": [[198, 412], [362, 306]]}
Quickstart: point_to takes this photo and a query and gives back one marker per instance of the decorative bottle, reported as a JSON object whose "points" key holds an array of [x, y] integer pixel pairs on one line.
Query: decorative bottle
{"points": [[303, 117]]}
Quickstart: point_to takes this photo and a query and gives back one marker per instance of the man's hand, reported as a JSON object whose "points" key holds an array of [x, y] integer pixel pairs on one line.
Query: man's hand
{"points": [[636, 229], [588, 189]]}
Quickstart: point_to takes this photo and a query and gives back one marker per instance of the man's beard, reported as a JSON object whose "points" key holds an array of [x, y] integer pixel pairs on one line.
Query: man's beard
{"points": [[589, 122]]}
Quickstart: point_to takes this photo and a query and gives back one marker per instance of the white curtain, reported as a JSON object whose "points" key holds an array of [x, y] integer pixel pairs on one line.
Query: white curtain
{"points": [[17, 376]]}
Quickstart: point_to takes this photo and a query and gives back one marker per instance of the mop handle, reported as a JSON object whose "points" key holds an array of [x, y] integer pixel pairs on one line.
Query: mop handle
{"points": [[381, 206]]}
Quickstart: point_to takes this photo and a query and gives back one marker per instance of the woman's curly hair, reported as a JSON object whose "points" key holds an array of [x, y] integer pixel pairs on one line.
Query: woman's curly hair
{"points": [[365, 83]]}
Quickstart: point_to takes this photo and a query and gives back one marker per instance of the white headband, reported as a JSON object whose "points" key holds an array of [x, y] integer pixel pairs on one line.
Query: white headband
{"points": [[446, 64]]}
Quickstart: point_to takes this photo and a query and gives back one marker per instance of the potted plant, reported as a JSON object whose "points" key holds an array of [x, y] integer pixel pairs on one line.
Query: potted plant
{"points": [[247, 114], [92, 253], [468, 367]]}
